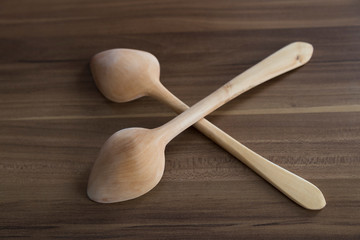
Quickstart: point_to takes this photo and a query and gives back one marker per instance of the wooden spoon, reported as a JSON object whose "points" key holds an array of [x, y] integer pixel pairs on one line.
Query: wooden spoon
{"points": [[124, 74]]}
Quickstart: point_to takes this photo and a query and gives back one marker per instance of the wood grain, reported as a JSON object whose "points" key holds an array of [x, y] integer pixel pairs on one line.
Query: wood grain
{"points": [[53, 120]]}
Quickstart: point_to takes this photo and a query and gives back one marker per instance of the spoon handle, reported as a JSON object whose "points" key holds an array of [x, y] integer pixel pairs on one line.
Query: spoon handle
{"points": [[296, 188], [289, 57]]}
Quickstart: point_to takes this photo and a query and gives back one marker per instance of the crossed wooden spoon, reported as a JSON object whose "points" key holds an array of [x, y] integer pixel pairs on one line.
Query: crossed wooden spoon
{"points": [[131, 162]]}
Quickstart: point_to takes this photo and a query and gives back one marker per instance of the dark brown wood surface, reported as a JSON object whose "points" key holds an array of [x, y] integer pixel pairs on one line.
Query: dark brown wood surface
{"points": [[53, 120]]}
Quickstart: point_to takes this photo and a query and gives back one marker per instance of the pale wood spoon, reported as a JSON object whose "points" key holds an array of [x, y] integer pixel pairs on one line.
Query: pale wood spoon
{"points": [[131, 162]]}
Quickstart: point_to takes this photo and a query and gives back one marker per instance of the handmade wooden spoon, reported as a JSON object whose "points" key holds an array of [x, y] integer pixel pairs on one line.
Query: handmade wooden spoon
{"points": [[124, 74]]}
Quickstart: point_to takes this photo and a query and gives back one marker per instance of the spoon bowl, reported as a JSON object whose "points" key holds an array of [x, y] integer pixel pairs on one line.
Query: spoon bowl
{"points": [[130, 163], [123, 75]]}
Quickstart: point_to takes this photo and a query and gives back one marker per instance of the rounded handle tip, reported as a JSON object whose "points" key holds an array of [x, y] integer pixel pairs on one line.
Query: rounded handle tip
{"points": [[319, 204], [305, 51], [315, 200]]}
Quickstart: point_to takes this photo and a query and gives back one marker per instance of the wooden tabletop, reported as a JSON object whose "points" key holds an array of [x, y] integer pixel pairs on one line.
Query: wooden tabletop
{"points": [[53, 120]]}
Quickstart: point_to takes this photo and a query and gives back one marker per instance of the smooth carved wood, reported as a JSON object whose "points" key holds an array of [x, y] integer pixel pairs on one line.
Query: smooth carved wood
{"points": [[131, 162], [121, 78], [53, 120]]}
